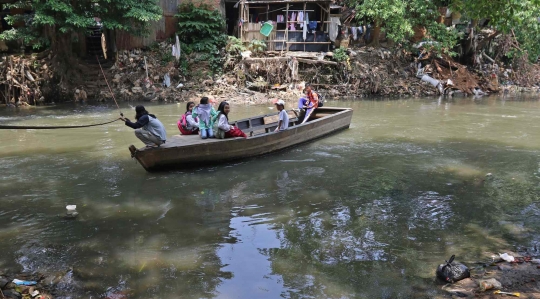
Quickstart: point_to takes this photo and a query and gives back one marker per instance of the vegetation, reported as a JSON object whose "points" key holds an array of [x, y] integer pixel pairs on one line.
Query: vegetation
{"points": [[398, 19], [54, 22], [340, 54], [201, 30]]}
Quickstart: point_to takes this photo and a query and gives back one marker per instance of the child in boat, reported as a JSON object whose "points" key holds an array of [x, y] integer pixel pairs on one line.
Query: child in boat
{"points": [[147, 128], [205, 113], [283, 122], [313, 102], [187, 124], [221, 123]]}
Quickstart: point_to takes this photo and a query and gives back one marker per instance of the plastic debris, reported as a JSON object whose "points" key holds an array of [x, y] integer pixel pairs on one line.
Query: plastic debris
{"points": [[506, 293], [535, 261], [167, 80], [489, 284], [24, 282], [452, 271], [507, 257]]}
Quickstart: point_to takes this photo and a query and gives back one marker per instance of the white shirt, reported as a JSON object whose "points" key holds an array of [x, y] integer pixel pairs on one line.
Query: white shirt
{"points": [[191, 123], [284, 118], [223, 123]]}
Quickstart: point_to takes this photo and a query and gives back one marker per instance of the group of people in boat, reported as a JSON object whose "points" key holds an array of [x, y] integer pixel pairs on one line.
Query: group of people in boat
{"points": [[204, 120]]}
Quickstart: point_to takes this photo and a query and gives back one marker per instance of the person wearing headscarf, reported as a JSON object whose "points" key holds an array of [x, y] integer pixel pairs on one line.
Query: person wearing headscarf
{"points": [[147, 127]]}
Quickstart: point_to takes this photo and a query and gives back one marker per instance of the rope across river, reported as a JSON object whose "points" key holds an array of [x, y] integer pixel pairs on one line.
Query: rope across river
{"points": [[6, 127]]}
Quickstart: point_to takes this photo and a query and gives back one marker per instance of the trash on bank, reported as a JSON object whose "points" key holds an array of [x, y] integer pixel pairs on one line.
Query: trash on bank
{"points": [[507, 257], [506, 293], [452, 271], [24, 282], [489, 284]]}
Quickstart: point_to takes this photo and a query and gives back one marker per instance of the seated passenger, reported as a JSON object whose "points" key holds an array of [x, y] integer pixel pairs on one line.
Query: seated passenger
{"points": [[302, 106], [221, 123], [205, 113], [283, 122], [313, 103], [147, 128], [187, 124]]}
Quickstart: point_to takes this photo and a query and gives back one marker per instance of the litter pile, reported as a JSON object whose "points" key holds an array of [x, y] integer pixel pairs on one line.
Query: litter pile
{"points": [[504, 275], [22, 77], [24, 286]]}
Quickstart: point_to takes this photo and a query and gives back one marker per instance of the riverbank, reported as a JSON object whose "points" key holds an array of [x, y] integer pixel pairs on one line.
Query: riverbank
{"points": [[254, 78]]}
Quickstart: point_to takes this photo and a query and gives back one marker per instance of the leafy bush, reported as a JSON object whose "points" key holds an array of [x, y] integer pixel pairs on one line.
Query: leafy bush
{"points": [[201, 28], [234, 45], [257, 46], [340, 54]]}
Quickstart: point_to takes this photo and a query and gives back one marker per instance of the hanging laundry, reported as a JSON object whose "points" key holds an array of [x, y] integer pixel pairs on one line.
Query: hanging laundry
{"points": [[304, 33], [291, 27], [354, 33], [333, 29]]}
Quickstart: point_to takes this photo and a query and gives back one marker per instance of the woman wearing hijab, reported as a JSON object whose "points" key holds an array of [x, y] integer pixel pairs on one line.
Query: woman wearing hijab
{"points": [[147, 128]]}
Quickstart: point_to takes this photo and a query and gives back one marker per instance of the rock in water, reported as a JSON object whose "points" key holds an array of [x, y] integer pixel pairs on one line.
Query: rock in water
{"points": [[452, 271]]}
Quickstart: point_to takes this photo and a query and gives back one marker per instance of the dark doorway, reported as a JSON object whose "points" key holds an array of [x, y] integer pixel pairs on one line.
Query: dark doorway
{"points": [[231, 17]]}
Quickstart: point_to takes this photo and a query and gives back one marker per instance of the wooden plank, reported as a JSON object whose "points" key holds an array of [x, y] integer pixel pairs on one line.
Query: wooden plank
{"points": [[310, 61], [313, 43], [262, 59]]}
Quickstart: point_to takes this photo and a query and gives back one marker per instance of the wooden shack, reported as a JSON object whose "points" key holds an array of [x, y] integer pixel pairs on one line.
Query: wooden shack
{"points": [[288, 18]]}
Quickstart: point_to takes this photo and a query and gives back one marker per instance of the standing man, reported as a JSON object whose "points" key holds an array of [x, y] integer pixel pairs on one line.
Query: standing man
{"points": [[283, 122], [147, 128]]}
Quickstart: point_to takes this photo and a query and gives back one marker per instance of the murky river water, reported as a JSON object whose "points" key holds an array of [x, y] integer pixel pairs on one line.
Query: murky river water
{"points": [[366, 213]]}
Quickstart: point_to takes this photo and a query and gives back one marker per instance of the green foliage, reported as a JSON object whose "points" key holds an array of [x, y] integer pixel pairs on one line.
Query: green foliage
{"points": [[201, 28], [256, 46], [234, 45], [518, 17], [446, 38], [340, 54], [63, 16], [392, 14]]}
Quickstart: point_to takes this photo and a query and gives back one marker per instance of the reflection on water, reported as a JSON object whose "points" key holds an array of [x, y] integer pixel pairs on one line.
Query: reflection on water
{"points": [[366, 213]]}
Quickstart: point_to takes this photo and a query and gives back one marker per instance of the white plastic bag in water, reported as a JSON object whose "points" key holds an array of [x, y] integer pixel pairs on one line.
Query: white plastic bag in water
{"points": [[507, 257]]}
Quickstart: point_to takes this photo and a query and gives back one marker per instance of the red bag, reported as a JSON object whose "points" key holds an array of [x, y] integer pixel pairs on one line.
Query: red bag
{"points": [[182, 126]]}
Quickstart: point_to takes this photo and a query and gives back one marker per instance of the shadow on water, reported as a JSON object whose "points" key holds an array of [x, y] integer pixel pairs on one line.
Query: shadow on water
{"points": [[367, 213]]}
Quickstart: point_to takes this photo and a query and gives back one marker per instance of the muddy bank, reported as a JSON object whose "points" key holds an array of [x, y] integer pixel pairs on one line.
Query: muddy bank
{"points": [[254, 78]]}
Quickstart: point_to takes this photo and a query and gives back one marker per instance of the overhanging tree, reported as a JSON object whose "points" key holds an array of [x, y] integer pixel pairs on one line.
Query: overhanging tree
{"points": [[53, 22]]}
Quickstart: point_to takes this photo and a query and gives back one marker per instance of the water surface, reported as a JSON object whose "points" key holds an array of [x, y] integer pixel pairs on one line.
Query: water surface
{"points": [[366, 213]]}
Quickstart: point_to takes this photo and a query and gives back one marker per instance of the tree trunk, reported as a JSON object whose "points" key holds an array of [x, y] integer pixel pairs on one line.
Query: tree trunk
{"points": [[375, 35], [66, 64]]}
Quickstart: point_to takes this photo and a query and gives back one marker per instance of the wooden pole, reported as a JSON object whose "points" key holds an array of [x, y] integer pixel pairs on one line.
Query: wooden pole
{"points": [[286, 44], [304, 25]]}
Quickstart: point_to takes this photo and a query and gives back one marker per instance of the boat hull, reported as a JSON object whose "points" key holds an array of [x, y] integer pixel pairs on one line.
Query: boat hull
{"points": [[213, 151]]}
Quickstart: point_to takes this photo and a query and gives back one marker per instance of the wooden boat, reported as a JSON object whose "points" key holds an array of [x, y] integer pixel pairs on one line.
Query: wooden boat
{"points": [[182, 151]]}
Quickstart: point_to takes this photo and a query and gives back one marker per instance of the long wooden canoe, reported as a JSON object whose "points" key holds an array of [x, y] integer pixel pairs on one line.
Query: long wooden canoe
{"points": [[182, 151]]}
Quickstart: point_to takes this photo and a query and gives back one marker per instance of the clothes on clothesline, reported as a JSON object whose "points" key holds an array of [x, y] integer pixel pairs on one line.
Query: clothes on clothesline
{"points": [[280, 19], [333, 29]]}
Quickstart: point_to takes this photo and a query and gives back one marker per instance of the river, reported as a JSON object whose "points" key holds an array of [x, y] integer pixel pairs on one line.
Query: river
{"points": [[366, 213]]}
